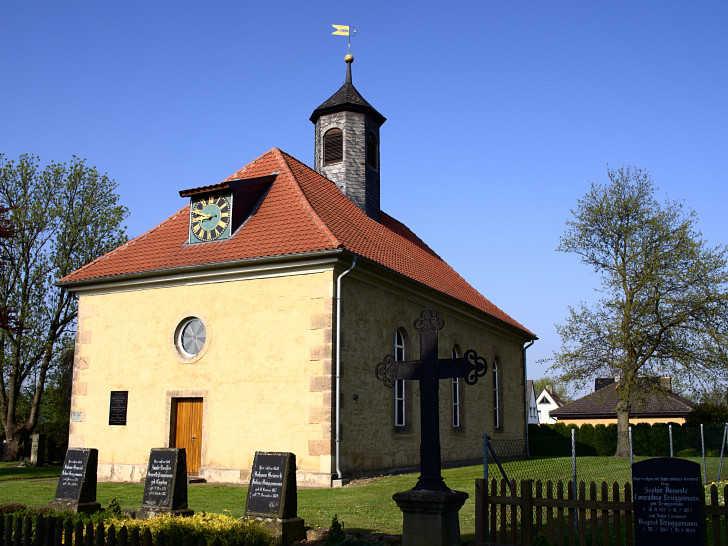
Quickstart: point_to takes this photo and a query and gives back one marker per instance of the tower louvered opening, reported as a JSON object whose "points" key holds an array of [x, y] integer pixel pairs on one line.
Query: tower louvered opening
{"points": [[372, 151], [333, 146]]}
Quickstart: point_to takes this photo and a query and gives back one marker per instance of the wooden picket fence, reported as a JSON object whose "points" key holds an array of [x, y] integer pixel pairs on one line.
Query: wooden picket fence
{"points": [[552, 511], [53, 531]]}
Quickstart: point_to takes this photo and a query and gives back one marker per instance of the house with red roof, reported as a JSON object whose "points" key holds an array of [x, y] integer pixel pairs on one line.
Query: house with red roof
{"points": [[252, 319]]}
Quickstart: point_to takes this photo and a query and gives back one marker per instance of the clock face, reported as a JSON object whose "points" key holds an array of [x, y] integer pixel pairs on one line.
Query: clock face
{"points": [[210, 218]]}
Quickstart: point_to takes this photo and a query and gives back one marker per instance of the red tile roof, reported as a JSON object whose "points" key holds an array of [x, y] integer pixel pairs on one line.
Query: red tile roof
{"points": [[302, 212]]}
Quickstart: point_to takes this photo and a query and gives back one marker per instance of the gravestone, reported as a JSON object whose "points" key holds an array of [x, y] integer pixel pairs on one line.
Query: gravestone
{"points": [[668, 502], [273, 498], [38, 449], [76, 489], [165, 487]]}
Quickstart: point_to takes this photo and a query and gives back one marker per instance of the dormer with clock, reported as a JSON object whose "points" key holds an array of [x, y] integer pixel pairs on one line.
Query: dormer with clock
{"points": [[218, 211]]}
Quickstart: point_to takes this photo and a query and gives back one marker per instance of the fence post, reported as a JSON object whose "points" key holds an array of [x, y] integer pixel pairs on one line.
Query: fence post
{"points": [[671, 450], [526, 512], [39, 530], [17, 531], [631, 454], [722, 445], [702, 443], [487, 485], [481, 511], [485, 457]]}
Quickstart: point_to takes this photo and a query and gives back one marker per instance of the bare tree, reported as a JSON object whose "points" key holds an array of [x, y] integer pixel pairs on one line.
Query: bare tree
{"points": [[664, 301], [62, 217]]}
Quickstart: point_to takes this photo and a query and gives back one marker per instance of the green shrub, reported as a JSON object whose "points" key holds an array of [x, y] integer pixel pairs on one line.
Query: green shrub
{"points": [[641, 434], [585, 441], [336, 535], [601, 442], [114, 506], [660, 440], [562, 430], [208, 526]]}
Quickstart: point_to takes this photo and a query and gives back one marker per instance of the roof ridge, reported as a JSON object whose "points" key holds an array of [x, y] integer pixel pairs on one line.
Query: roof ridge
{"points": [[125, 245], [237, 174], [284, 157]]}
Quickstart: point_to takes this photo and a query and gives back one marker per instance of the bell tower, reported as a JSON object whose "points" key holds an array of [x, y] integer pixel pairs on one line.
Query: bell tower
{"points": [[347, 144]]}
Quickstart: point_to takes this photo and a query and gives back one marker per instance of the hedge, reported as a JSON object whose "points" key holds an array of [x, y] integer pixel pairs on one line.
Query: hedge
{"points": [[647, 440]]}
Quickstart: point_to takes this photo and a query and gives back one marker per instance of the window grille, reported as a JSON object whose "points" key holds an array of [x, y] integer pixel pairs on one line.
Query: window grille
{"points": [[399, 385], [455, 395]]}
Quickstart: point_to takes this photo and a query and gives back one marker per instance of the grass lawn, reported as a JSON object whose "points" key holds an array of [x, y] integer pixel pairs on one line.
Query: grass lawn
{"points": [[367, 506]]}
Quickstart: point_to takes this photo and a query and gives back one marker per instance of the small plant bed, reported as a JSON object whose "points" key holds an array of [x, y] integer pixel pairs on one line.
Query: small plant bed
{"points": [[110, 525]]}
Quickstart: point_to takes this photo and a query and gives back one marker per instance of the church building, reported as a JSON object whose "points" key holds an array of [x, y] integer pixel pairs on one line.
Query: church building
{"points": [[253, 318]]}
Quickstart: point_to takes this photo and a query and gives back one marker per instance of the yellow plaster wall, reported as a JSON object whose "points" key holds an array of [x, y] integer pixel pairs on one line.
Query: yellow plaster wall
{"points": [[370, 316], [265, 369]]}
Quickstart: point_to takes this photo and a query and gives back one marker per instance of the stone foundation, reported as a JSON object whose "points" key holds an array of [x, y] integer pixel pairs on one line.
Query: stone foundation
{"points": [[117, 472]]}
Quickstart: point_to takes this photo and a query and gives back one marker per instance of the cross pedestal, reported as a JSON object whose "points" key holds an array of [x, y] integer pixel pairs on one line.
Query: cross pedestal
{"points": [[430, 517], [430, 509]]}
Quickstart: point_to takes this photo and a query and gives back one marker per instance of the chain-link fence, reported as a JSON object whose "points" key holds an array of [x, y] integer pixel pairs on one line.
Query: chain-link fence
{"points": [[587, 453]]}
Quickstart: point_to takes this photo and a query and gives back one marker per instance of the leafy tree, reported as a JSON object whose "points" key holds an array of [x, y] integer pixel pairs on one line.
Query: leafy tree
{"points": [[558, 387], [664, 302], [707, 413], [63, 215]]}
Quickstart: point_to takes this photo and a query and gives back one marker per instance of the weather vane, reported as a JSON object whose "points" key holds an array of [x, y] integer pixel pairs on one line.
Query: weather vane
{"points": [[344, 30]]}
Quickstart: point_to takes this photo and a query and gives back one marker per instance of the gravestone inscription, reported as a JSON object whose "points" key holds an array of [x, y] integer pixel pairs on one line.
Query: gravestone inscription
{"points": [[165, 487], [668, 502], [76, 489], [118, 402]]}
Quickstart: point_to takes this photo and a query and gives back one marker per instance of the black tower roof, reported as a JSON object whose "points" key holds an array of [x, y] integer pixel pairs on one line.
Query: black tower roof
{"points": [[347, 98]]}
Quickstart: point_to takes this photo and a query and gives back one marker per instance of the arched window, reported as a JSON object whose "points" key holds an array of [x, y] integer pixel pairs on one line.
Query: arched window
{"points": [[497, 418], [400, 353], [333, 146], [456, 401], [372, 151]]}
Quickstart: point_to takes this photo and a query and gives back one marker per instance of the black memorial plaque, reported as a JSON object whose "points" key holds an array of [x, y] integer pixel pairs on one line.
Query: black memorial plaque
{"points": [[668, 502], [78, 476], [165, 487], [118, 402], [272, 490]]}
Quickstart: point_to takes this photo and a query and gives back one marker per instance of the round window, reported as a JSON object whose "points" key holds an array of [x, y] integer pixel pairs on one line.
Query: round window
{"points": [[191, 337]]}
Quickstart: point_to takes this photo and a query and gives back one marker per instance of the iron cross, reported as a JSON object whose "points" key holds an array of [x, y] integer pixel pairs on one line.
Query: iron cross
{"points": [[428, 371]]}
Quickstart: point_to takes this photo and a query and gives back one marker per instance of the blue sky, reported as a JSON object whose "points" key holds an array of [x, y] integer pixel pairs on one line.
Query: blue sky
{"points": [[500, 114]]}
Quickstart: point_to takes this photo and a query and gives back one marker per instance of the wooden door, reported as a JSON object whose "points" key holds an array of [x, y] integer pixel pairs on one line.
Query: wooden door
{"points": [[187, 419]]}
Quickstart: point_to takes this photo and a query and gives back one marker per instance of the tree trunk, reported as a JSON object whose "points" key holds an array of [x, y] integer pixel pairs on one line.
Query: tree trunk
{"points": [[622, 429], [15, 445]]}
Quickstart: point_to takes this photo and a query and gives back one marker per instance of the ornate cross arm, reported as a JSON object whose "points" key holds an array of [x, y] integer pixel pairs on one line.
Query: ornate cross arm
{"points": [[388, 371], [470, 368]]}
